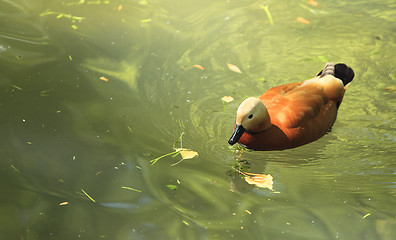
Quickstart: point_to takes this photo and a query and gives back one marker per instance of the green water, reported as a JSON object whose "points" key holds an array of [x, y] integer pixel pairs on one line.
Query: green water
{"points": [[64, 130]]}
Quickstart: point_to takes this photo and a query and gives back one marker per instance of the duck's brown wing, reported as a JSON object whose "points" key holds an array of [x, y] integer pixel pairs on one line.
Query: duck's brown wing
{"points": [[292, 105]]}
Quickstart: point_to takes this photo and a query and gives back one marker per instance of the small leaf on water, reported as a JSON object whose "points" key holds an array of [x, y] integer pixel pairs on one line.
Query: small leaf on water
{"points": [[119, 7], [260, 180], [186, 153], [302, 20], [171, 187], [368, 214], [227, 99], [233, 68], [104, 79], [63, 203], [313, 3], [199, 67]]}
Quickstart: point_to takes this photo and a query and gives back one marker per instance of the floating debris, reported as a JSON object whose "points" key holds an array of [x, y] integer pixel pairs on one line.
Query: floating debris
{"points": [[390, 89], [130, 129], [199, 67], [233, 68], [104, 79], [63, 203], [260, 180], [132, 189], [62, 15], [313, 3], [16, 87], [227, 99], [303, 20], [45, 93], [171, 187], [86, 194], [271, 20], [184, 152], [15, 169]]}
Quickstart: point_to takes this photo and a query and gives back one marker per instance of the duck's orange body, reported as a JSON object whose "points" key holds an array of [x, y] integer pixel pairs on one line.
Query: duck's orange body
{"points": [[293, 114]]}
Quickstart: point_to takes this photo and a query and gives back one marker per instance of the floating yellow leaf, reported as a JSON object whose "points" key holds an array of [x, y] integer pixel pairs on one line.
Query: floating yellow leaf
{"points": [[199, 67], [233, 68], [104, 79], [302, 20], [186, 153], [260, 180], [227, 99], [368, 214], [63, 203], [119, 7], [313, 3]]}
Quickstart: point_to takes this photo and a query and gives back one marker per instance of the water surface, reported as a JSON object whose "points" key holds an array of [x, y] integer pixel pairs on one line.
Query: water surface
{"points": [[91, 91]]}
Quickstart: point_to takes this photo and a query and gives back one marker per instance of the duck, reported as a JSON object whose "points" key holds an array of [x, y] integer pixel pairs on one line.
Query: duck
{"points": [[294, 114]]}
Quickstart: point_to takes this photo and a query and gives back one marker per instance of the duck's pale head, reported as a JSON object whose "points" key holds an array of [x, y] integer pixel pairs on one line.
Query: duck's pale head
{"points": [[252, 117]]}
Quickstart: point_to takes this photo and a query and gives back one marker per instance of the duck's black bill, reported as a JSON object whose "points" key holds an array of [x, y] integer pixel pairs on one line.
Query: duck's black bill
{"points": [[239, 130]]}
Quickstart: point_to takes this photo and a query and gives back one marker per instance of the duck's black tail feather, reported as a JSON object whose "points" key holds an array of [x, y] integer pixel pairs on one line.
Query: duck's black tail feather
{"points": [[340, 71], [344, 73]]}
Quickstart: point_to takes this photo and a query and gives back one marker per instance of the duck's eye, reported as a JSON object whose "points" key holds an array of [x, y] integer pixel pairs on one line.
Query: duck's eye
{"points": [[250, 116]]}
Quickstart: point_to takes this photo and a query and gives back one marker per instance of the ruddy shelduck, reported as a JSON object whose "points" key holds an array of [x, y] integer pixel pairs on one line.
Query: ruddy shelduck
{"points": [[293, 114]]}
